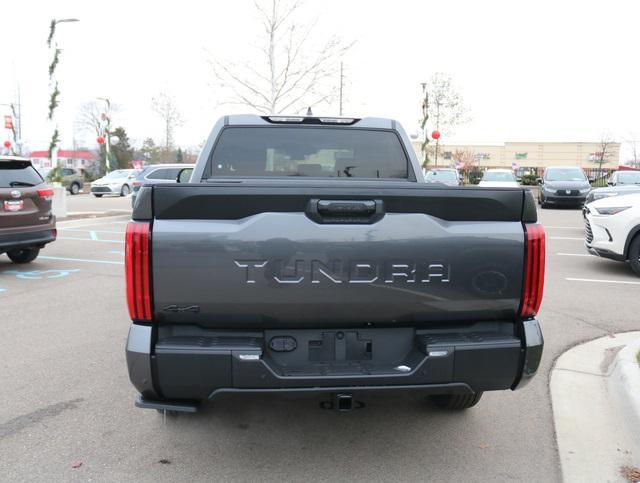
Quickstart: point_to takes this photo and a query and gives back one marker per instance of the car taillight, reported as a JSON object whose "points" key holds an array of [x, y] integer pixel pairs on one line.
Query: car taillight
{"points": [[138, 270], [46, 193], [137, 184], [533, 270]]}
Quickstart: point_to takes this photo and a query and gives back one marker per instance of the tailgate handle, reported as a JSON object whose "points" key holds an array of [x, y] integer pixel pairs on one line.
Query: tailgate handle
{"points": [[353, 212], [346, 207]]}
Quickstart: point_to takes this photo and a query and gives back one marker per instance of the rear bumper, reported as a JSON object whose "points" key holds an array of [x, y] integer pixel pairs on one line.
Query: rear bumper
{"points": [[27, 239], [187, 364]]}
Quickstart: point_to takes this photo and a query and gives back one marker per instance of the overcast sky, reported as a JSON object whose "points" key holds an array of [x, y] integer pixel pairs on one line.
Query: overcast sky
{"points": [[528, 70]]}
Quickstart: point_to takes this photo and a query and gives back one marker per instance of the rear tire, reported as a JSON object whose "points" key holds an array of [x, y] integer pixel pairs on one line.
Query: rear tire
{"points": [[634, 255], [456, 402], [125, 190], [23, 255], [74, 189]]}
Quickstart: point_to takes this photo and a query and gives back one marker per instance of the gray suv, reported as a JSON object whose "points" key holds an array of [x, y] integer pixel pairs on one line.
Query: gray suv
{"points": [[156, 173]]}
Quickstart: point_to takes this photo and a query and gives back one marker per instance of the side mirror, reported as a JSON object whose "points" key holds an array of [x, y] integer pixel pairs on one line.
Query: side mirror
{"points": [[184, 175], [539, 181]]}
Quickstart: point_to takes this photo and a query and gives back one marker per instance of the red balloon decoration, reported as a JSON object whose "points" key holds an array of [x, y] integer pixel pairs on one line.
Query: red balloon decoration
{"points": [[100, 139], [435, 134], [7, 144]]}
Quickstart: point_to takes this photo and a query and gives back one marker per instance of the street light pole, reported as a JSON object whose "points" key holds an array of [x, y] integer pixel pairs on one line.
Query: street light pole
{"points": [[53, 102]]}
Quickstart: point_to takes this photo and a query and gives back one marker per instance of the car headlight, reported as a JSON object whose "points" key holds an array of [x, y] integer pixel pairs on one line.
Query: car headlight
{"points": [[585, 191], [612, 211]]}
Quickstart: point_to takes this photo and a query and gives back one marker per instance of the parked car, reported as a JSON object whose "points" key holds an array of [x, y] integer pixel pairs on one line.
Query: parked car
{"points": [[619, 178], [599, 193], [260, 279], [26, 221], [613, 229], [72, 179], [118, 182], [498, 178], [447, 176], [563, 185], [156, 173]]}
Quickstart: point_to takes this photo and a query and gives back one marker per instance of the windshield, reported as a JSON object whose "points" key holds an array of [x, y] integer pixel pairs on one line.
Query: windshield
{"points": [[629, 177], [305, 151], [119, 173], [441, 175], [565, 174], [498, 176]]}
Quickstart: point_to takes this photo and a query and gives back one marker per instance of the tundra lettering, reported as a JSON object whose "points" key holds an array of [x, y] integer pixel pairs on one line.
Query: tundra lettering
{"points": [[338, 271]]}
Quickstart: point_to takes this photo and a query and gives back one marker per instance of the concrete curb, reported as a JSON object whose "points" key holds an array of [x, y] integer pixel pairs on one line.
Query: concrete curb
{"points": [[624, 385], [595, 437]]}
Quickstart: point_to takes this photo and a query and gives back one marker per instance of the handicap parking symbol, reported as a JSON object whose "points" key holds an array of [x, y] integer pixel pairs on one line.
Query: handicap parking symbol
{"points": [[40, 274]]}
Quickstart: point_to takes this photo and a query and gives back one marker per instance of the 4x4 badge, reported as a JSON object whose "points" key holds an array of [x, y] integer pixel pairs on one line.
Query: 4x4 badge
{"points": [[16, 194]]}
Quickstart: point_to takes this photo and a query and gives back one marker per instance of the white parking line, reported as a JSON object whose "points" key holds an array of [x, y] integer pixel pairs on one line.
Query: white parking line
{"points": [[565, 227], [84, 260], [595, 280], [575, 255], [106, 220], [89, 239], [94, 231], [566, 238]]}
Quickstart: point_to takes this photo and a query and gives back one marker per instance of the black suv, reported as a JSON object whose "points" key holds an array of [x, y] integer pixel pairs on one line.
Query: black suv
{"points": [[563, 185]]}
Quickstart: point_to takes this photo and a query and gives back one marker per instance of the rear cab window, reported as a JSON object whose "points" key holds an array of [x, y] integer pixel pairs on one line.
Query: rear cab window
{"points": [[18, 173], [319, 152]]}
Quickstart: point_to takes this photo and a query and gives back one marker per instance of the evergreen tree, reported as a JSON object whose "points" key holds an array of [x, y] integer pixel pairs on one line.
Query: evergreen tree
{"points": [[179, 156], [122, 152]]}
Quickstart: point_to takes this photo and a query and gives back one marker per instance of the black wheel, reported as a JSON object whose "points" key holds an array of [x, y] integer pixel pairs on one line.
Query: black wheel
{"points": [[456, 402], [634, 255], [97, 196], [125, 190], [24, 255], [74, 189]]}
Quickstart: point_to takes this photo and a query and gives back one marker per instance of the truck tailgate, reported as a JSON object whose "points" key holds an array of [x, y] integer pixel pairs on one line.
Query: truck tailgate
{"points": [[252, 255]]}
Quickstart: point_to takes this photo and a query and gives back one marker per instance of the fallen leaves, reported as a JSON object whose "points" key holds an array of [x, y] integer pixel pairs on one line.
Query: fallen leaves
{"points": [[630, 474]]}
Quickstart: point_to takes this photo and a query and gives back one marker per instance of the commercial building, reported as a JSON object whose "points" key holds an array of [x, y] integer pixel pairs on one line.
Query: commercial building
{"points": [[524, 156]]}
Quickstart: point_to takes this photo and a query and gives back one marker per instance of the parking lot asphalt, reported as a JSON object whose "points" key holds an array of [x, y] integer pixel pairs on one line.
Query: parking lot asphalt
{"points": [[66, 397], [85, 202]]}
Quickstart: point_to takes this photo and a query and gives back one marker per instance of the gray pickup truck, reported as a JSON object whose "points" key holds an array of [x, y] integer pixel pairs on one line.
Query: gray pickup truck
{"points": [[308, 255]]}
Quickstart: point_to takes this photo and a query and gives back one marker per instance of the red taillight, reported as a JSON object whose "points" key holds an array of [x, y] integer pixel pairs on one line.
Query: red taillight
{"points": [[46, 193], [137, 184], [533, 270], [138, 270]]}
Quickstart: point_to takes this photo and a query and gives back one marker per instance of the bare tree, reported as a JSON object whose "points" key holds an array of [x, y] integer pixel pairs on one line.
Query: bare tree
{"points": [[633, 157], [465, 159], [288, 74], [604, 153], [165, 106], [91, 116], [444, 106]]}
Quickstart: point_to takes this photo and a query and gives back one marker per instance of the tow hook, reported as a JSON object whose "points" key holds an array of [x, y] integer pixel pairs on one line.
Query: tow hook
{"points": [[342, 403]]}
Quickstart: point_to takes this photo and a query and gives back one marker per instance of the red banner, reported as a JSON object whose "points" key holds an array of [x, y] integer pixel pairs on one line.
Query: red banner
{"points": [[8, 122]]}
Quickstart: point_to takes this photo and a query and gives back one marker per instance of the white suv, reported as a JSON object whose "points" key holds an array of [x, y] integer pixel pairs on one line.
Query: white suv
{"points": [[613, 229]]}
